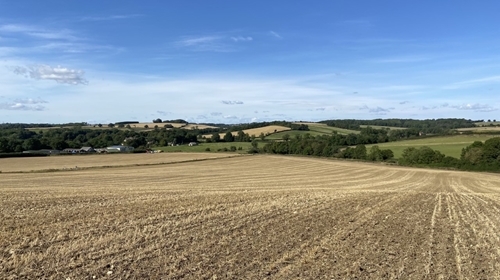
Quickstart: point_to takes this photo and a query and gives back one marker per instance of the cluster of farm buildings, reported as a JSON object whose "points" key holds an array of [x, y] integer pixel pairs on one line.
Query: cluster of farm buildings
{"points": [[90, 150], [85, 150]]}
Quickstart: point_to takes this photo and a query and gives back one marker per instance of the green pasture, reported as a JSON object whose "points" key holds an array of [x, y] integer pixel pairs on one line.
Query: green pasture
{"points": [[448, 145]]}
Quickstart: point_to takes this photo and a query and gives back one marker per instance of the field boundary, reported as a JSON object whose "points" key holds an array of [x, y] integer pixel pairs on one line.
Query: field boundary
{"points": [[50, 170]]}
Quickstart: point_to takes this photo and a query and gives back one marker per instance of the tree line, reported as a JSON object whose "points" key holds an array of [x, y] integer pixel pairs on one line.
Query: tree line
{"points": [[434, 126], [478, 156], [336, 145], [18, 139]]}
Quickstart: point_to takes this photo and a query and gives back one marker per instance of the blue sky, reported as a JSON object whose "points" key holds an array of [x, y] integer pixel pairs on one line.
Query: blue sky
{"points": [[244, 61]]}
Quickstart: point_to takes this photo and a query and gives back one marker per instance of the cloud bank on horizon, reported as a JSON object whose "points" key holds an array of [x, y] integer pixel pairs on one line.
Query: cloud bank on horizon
{"points": [[243, 62]]}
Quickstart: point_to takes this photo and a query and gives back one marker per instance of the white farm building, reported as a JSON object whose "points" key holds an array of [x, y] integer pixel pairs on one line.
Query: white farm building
{"points": [[119, 149]]}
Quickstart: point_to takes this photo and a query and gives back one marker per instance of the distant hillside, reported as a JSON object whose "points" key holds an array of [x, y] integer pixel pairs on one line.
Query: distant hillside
{"points": [[266, 130]]}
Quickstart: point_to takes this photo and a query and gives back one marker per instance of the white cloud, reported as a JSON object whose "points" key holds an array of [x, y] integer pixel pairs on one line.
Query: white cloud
{"points": [[211, 43], [475, 107], [45, 72], [203, 43], [21, 107], [198, 40], [241, 39], [30, 101]]}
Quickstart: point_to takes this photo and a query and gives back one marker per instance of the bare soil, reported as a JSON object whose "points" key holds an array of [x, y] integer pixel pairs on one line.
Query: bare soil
{"points": [[250, 217]]}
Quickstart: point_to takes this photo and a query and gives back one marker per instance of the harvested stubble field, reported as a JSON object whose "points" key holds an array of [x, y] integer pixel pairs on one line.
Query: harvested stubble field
{"points": [[73, 162], [251, 217], [270, 129]]}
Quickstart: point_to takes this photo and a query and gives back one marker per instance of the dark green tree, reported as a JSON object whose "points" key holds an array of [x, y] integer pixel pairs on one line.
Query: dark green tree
{"points": [[32, 144], [228, 137], [215, 137]]}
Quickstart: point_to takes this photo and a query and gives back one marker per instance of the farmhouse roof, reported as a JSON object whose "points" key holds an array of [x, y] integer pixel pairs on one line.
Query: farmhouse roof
{"points": [[116, 146]]}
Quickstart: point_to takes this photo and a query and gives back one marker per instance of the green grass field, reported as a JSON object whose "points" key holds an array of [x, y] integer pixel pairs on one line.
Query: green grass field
{"points": [[201, 147], [448, 145]]}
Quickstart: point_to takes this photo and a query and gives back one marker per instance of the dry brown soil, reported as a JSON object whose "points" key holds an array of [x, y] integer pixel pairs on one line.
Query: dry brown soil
{"points": [[250, 217]]}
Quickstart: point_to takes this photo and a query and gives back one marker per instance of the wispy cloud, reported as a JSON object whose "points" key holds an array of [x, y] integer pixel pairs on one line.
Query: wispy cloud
{"points": [[425, 108], [466, 107], [236, 102], [38, 32], [275, 35], [30, 101], [21, 107], [377, 110], [195, 41], [241, 39], [45, 72], [404, 102], [474, 82], [203, 43], [110, 17], [216, 114], [475, 107]]}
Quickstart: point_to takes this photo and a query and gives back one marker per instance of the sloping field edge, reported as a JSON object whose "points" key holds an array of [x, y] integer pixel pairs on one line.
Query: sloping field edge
{"points": [[117, 166]]}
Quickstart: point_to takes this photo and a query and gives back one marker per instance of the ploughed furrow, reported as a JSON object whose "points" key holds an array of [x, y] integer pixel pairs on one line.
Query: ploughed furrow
{"points": [[480, 235], [463, 242], [481, 184], [384, 242]]}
